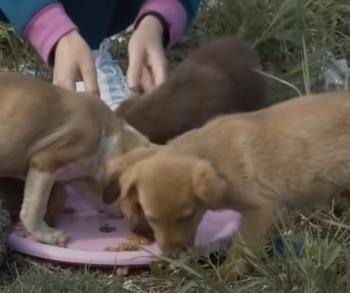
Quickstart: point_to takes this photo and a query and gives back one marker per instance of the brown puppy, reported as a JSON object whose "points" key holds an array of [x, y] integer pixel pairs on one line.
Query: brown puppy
{"points": [[217, 78], [49, 134], [293, 154]]}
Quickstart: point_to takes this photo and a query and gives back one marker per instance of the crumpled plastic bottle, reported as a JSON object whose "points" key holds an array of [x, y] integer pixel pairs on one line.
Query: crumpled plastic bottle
{"points": [[111, 80], [336, 73]]}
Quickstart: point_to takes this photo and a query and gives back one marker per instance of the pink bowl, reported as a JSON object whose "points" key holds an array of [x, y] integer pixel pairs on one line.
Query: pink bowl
{"points": [[87, 243]]}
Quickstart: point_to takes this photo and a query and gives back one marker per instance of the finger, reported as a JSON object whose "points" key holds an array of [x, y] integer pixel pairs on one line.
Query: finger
{"points": [[158, 64], [64, 77], [134, 92], [89, 76], [147, 80], [134, 72]]}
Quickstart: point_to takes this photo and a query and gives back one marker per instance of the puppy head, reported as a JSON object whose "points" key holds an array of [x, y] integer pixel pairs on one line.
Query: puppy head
{"points": [[114, 169], [173, 192]]}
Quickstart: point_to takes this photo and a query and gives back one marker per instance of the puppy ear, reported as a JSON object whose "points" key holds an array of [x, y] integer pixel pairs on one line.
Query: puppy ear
{"points": [[129, 199], [116, 167], [207, 184], [128, 184]]}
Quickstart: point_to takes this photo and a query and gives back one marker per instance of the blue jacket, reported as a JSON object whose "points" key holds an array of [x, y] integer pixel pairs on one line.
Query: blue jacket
{"points": [[95, 19]]}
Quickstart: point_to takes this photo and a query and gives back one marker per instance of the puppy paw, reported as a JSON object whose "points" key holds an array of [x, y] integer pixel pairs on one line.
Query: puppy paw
{"points": [[50, 236]]}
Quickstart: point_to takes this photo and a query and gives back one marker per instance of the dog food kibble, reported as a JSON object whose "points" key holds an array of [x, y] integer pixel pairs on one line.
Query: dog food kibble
{"points": [[107, 229], [133, 243], [68, 210]]}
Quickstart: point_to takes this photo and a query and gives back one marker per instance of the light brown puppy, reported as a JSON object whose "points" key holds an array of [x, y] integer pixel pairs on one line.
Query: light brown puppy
{"points": [[293, 154], [49, 134], [217, 78]]}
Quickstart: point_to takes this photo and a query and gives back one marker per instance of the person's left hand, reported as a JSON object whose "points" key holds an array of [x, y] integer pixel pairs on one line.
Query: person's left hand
{"points": [[147, 60]]}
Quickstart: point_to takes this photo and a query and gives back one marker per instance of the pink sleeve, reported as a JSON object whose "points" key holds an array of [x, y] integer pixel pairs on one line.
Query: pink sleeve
{"points": [[173, 12], [46, 28]]}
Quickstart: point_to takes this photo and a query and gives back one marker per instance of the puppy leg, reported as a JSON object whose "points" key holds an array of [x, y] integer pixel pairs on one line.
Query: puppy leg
{"points": [[36, 194], [11, 195], [255, 225], [56, 203]]}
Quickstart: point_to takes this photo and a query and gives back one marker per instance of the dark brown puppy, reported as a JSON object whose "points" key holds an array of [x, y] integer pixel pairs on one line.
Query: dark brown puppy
{"points": [[217, 78]]}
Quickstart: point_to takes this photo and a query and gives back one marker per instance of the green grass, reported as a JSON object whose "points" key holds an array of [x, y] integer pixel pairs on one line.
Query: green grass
{"points": [[15, 52], [292, 38], [277, 29]]}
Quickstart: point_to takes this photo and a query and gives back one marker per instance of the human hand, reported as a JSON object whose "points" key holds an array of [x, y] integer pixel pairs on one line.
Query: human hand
{"points": [[147, 60], [74, 62]]}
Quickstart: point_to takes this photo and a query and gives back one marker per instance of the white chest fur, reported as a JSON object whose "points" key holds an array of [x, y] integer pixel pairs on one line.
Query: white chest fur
{"points": [[93, 166]]}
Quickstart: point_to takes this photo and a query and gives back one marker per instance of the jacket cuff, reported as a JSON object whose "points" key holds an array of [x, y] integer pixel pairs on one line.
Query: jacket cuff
{"points": [[173, 13], [46, 28]]}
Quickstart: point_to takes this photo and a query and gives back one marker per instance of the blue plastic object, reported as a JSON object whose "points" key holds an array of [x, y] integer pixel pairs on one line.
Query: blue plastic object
{"points": [[282, 249]]}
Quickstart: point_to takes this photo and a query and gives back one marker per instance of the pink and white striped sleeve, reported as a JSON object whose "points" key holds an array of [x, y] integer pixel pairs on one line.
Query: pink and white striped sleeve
{"points": [[46, 28]]}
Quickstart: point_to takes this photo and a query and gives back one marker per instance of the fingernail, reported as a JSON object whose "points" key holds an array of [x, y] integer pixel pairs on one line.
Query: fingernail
{"points": [[135, 91]]}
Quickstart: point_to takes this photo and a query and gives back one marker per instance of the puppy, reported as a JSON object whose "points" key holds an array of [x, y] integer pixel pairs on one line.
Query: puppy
{"points": [[47, 135], [217, 78], [293, 154]]}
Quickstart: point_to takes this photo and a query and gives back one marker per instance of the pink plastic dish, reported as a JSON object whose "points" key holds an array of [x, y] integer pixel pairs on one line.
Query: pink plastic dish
{"points": [[87, 243]]}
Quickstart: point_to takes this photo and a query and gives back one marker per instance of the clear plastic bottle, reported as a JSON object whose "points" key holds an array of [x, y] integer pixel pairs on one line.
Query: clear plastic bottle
{"points": [[335, 73], [110, 78]]}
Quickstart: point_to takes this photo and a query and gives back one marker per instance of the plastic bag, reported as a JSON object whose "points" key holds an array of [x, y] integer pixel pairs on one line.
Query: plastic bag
{"points": [[335, 73]]}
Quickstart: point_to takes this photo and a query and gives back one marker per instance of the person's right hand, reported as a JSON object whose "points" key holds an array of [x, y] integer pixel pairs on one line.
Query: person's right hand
{"points": [[74, 62]]}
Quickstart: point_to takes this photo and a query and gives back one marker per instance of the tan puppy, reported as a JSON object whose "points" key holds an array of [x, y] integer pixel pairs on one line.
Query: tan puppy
{"points": [[292, 154], [218, 77], [48, 135]]}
